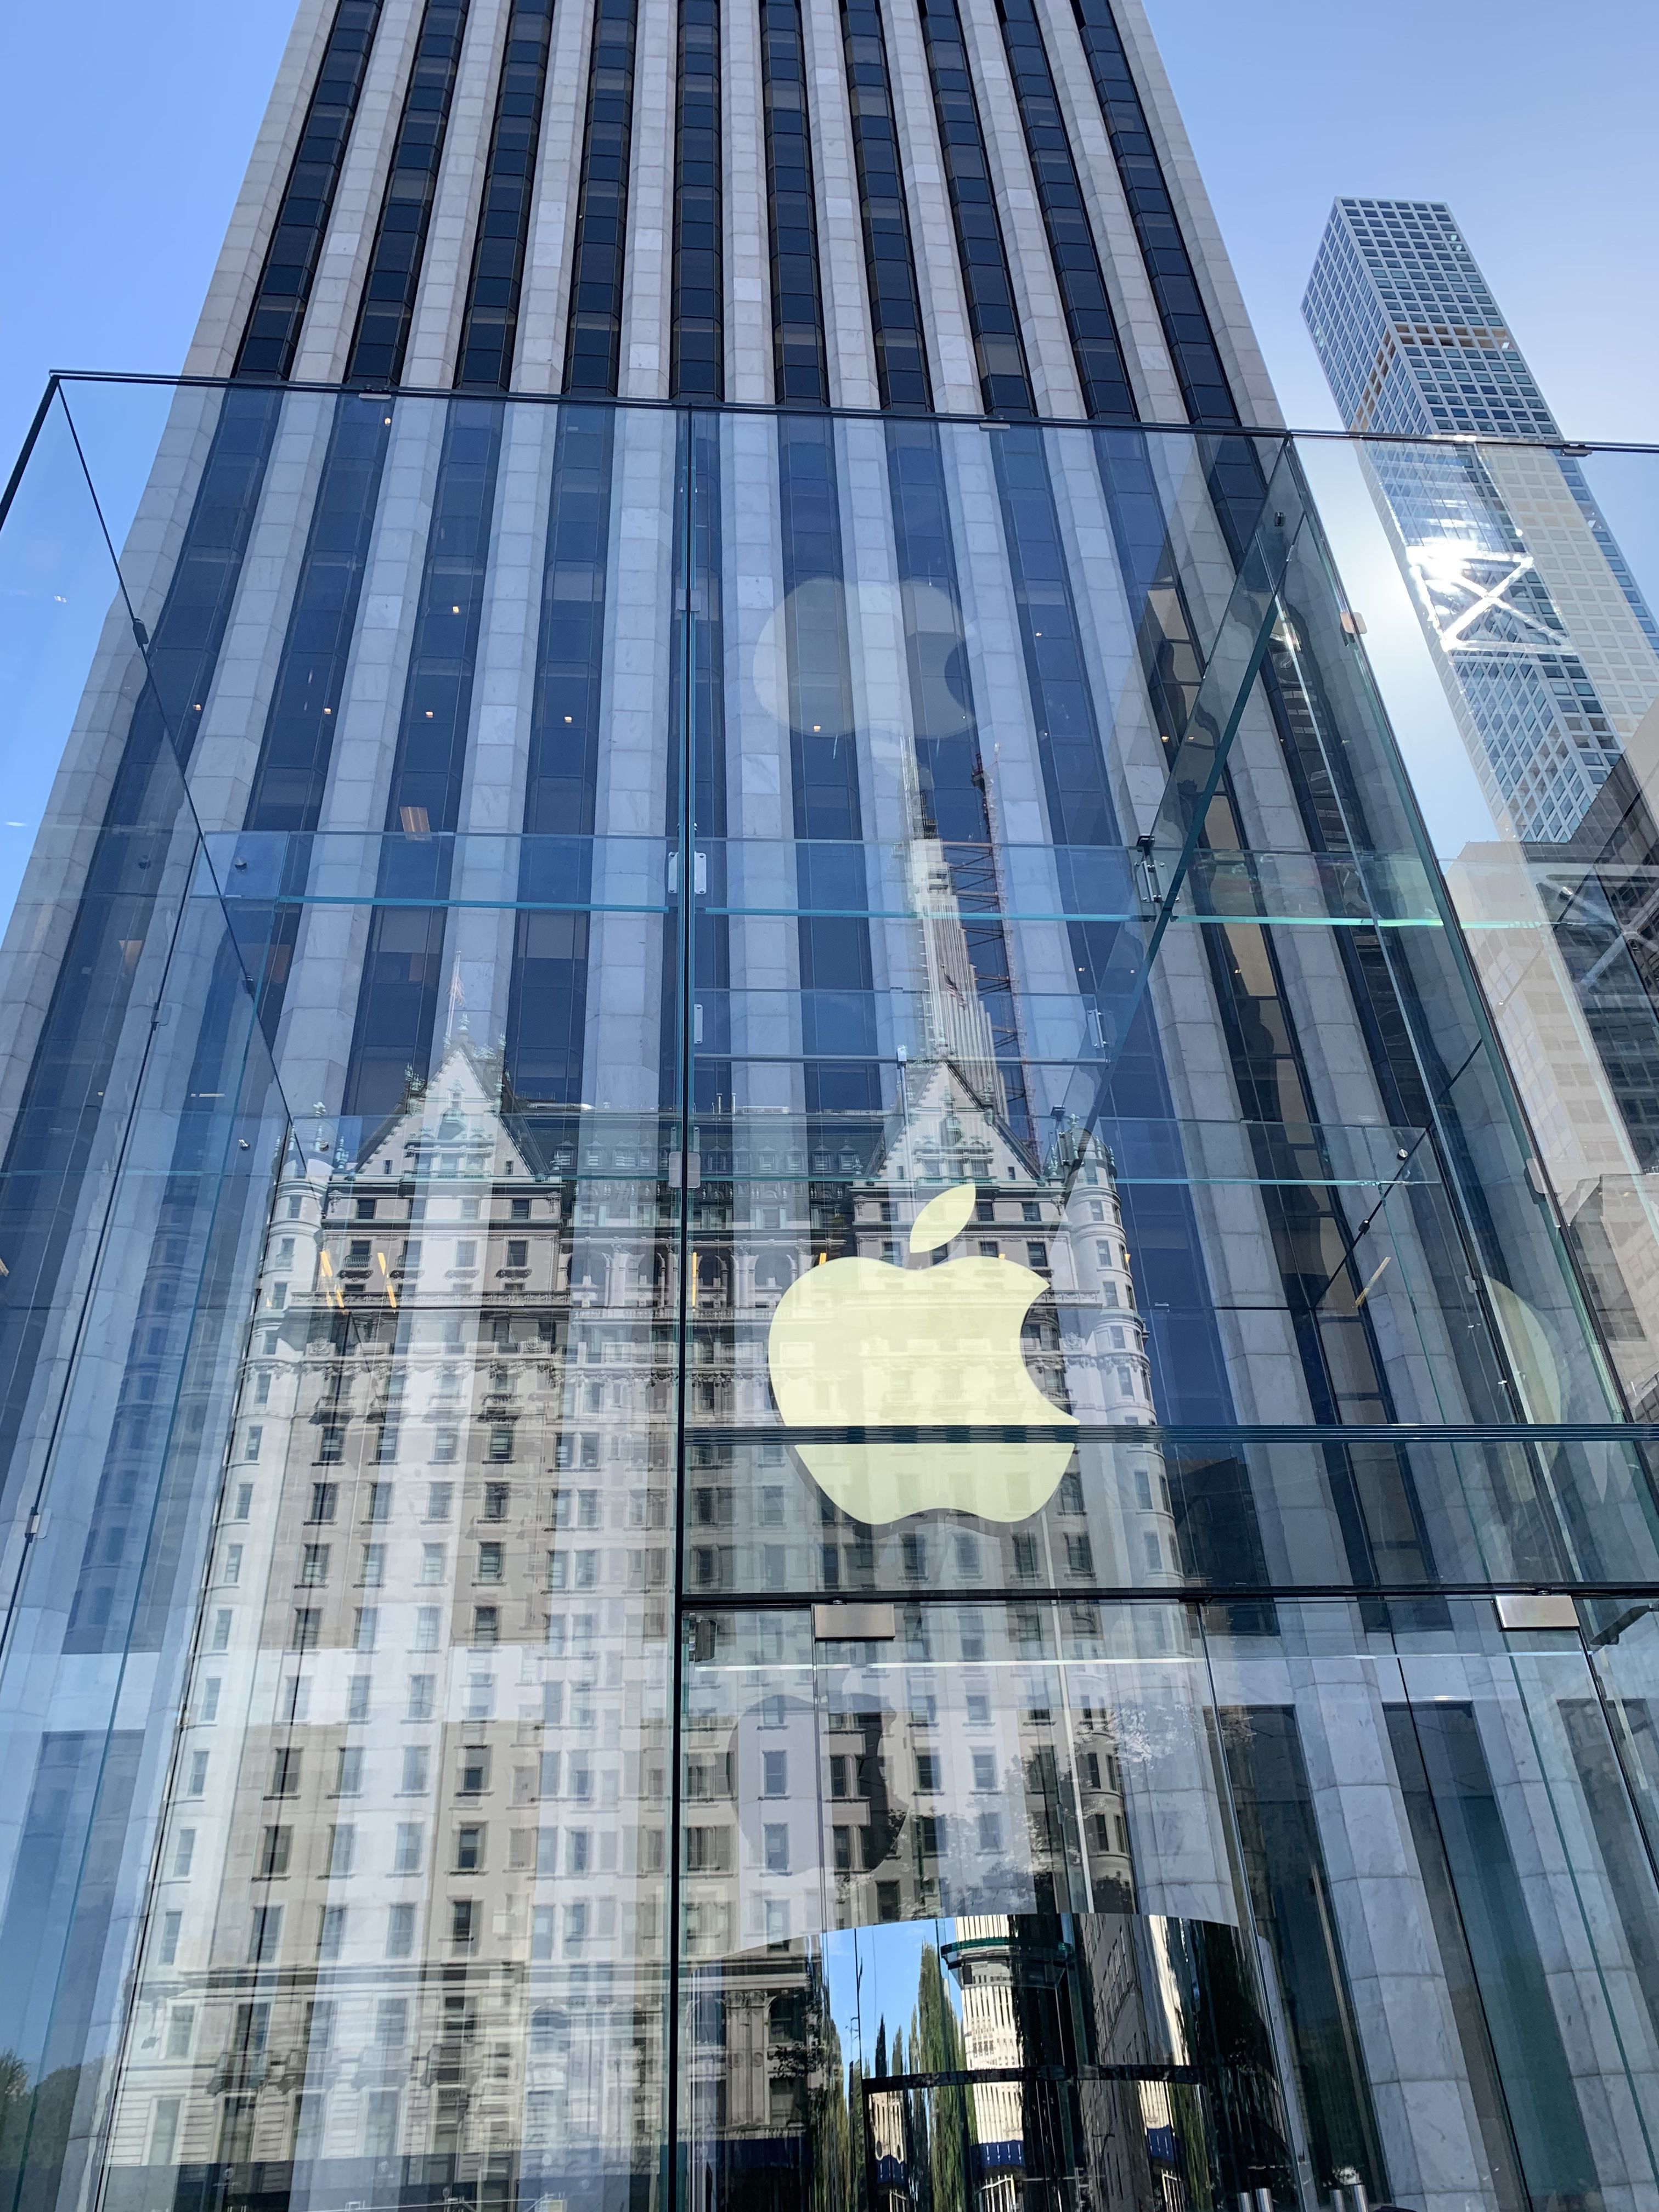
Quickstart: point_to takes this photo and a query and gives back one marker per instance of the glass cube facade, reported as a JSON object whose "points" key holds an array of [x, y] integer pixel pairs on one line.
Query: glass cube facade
{"points": [[795, 1409]]}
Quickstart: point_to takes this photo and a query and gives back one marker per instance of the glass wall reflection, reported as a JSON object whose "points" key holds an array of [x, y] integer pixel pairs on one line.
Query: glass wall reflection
{"points": [[783, 1344]]}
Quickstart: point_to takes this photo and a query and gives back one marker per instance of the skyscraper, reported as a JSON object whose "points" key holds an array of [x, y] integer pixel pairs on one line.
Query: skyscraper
{"points": [[1552, 653], [785, 1417], [1550, 660]]}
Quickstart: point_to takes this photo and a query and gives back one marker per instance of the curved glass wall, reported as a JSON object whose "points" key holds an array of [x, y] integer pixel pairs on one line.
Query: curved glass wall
{"points": [[816, 1385]]}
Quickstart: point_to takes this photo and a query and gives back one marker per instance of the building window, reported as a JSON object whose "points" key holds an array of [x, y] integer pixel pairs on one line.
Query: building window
{"points": [[486, 1626], [889, 265], [463, 1923], [266, 1937], [798, 371], [775, 1772], [469, 1850], [491, 1562], [593, 355], [696, 360]]}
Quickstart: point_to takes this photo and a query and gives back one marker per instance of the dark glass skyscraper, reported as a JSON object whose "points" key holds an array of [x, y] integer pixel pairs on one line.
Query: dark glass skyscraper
{"points": [[787, 1415]]}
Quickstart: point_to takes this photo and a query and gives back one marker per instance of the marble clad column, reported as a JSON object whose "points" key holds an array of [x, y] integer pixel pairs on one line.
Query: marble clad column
{"points": [[485, 882], [849, 348], [543, 303], [649, 263], [434, 330], [331, 320], [319, 1009], [744, 257], [932, 228]]}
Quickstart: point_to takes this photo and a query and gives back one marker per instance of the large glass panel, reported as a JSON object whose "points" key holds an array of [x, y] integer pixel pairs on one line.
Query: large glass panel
{"points": [[962, 1923], [1509, 592], [825, 1337]]}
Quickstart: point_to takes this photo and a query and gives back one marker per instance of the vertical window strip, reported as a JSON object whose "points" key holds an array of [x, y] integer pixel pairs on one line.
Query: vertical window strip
{"points": [[702, 750], [271, 335], [800, 369], [696, 341], [1106, 392], [399, 248], [489, 325], [949, 750], [1004, 379], [288, 780], [889, 258], [837, 976], [397, 1000], [547, 1010], [593, 357], [297, 746], [1187, 330]]}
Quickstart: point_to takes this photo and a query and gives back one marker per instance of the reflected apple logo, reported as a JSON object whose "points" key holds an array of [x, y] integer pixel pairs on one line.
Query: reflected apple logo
{"points": [[862, 1344]]}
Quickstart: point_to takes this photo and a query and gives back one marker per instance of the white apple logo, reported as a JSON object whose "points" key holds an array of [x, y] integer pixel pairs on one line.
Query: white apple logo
{"points": [[857, 1344]]}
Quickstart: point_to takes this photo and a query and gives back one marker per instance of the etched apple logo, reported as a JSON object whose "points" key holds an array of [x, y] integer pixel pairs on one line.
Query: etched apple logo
{"points": [[860, 1344]]}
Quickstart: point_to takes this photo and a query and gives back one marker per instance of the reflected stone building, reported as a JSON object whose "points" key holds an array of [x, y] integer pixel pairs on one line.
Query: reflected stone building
{"points": [[789, 1413]]}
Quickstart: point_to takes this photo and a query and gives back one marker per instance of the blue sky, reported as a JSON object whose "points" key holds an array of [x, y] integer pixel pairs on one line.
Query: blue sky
{"points": [[1532, 121], [127, 130]]}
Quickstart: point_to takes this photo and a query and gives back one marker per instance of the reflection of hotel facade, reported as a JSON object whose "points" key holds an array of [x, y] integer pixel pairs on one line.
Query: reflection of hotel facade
{"points": [[533, 879]]}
